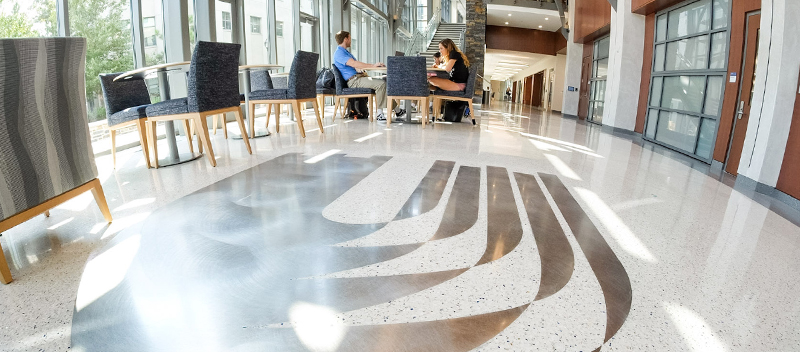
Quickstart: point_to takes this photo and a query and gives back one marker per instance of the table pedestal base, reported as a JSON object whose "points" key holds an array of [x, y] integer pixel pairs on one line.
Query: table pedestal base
{"points": [[182, 158], [259, 133]]}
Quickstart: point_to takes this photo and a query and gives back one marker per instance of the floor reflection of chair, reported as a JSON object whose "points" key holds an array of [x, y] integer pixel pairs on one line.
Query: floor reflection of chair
{"points": [[213, 90]]}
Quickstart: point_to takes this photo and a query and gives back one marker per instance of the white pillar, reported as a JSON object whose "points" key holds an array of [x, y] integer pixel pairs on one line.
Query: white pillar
{"points": [[775, 91], [572, 73], [624, 67]]}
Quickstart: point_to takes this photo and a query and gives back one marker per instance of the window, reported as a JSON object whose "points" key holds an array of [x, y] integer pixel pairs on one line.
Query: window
{"points": [[597, 84], [226, 21], [150, 32], [255, 25], [24, 18], [688, 76], [279, 28], [148, 22], [422, 15], [285, 11], [109, 43]]}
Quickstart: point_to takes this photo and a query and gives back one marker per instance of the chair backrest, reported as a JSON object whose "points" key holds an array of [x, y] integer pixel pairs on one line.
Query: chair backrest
{"points": [[260, 80], [44, 131], [469, 90], [214, 77], [123, 94], [406, 76], [303, 76], [341, 84]]}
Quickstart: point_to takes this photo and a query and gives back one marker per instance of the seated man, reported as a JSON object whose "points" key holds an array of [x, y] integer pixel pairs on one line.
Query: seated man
{"points": [[349, 67]]}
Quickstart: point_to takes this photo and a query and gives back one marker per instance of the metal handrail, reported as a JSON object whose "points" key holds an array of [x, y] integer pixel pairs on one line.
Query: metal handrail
{"points": [[422, 38]]}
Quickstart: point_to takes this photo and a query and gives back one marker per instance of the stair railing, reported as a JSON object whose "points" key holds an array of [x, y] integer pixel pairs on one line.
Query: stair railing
{"points": [[421, 39]]}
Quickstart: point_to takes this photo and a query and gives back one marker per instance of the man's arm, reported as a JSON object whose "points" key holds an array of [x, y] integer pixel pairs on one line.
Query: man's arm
{"points": [[358, 65]]}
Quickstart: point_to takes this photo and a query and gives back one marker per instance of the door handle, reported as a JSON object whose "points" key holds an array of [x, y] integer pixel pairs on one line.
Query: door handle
{"points": [[740, 110]]}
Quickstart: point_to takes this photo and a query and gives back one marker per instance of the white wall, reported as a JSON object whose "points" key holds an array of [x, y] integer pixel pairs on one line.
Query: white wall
{"points": [[572, 74], [624, 67], [776, 88], [558, 86]]}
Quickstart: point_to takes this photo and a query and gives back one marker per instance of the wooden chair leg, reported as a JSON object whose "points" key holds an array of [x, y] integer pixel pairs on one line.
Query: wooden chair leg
{"points": [[100, 199], [389, 111], [142, 127], [5, 272], [319, 120], [423, 113], [346, 105], [238, 114], [269, 112], [188, 135], [114, 147], [472, 112], [299, 117], [278, 118], [153, 140], [203, 135], [223, 120], [336, 102], [369, 108], [251, 118], [214, 124]]}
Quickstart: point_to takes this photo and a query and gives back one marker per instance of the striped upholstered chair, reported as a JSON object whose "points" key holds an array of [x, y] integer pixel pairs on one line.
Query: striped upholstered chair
{"points": [[407, 79], [213, 90], [47, 156], [126, 101]]}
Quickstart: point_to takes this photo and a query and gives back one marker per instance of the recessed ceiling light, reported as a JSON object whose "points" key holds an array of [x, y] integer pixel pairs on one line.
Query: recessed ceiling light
{"points": [[540, 26], [509, 15], [506, 22], [546, 18]]}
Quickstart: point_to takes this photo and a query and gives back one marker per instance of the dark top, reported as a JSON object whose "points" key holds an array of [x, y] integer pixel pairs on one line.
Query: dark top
{"points": [[460, 73]]}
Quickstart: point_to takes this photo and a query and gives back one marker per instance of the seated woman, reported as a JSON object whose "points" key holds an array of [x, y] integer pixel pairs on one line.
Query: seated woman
{"points": [[456, 64]]}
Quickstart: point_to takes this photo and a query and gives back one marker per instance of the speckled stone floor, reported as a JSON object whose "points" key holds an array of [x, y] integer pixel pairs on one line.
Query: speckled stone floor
{"points": [[528, 232]]}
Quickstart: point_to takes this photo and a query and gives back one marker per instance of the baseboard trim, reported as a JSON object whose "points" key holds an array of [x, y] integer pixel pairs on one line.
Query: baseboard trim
{"points": [[748, 184]]}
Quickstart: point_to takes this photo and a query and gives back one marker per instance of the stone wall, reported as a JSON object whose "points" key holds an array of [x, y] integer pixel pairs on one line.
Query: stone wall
{"points": [[475, 47]]}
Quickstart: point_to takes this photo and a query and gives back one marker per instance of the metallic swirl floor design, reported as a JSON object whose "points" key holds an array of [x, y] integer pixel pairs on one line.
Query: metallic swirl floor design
{"points": [[224, 268]]}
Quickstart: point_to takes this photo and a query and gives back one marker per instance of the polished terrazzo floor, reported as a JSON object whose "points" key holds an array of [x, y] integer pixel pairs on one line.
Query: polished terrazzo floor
{"points": [[529, 232]]}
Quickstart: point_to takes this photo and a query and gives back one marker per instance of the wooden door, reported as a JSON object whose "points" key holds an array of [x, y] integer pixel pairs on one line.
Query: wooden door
{"points": [[788, 179], [745, 93], [527, 91], [536, 96], [586, 75], [514, 92]]}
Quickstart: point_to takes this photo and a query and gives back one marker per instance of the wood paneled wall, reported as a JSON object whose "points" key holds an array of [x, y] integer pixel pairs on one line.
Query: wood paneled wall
{"points": [[735, 52], [592, 20], [647, 68], [647, 7], [523, 39]]}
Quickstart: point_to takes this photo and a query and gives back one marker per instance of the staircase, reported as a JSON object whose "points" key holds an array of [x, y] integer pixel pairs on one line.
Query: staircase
{"points": [[454, 31]]}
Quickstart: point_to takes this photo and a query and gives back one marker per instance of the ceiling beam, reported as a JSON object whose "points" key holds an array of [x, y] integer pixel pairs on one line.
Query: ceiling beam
{"points": [[564, 25]]}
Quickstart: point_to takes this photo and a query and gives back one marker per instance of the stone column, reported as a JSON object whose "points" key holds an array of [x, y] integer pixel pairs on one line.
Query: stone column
{"points": [[572, 73], [776, 88], [475, 37], [624, 67]]}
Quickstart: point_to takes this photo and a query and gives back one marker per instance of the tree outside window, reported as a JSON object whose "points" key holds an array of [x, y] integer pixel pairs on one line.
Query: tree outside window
{"points": [[255, 25]]}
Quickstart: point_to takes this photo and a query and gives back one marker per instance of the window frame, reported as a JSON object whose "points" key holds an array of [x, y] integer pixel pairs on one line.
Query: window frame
{"points": [[705, 73], [255, 27], [227, 24]]}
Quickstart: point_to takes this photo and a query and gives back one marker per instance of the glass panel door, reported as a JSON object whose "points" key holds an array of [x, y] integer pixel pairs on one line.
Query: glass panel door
{"points": [[597, 90]]}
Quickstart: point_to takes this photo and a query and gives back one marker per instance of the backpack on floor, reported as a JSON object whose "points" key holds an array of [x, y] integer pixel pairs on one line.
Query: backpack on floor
{"points": [[454, 110], [358, 108]]}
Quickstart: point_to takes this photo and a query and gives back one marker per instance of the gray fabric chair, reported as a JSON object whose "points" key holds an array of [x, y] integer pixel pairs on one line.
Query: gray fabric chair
{"points": [[407, 79], [346, 93], [47, 157], [258, 80], [461, 95], [301, 88], [213, 90], [126, 101]]}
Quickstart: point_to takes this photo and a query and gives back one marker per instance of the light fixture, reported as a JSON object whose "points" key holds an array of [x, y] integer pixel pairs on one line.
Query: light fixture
{"points": [[547, 18], [506, 22], [509, 15], [540, 26]]}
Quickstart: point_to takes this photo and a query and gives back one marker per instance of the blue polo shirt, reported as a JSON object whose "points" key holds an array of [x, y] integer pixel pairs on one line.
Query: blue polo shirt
{"points": [[340, 58]]}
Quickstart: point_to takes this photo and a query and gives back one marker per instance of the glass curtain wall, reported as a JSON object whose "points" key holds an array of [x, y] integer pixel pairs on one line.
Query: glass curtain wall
{"points": [[26, 19], [422, 14], [597, 83], [368, 35], [284, 32], [256, 34], [689, 69]]}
